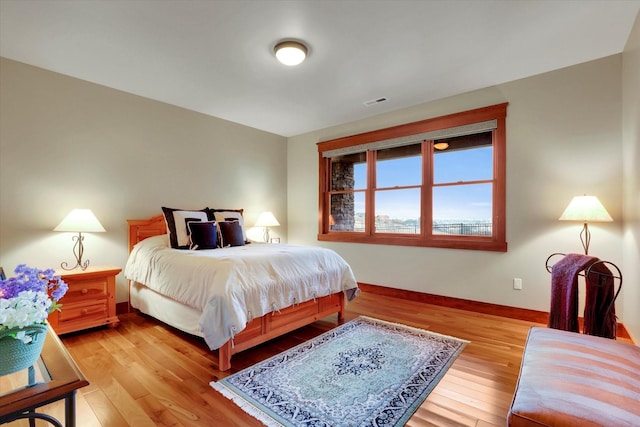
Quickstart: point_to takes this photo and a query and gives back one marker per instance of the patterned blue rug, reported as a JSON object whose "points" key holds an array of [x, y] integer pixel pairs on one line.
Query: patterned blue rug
{"points": [[366, 372]]}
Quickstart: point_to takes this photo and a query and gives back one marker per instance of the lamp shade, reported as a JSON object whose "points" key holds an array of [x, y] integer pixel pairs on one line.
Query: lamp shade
{"points": [[266, 219], [586, 209], [80, 221]]}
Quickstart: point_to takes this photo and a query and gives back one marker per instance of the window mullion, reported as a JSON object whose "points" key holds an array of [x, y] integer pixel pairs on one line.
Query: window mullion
{"points": [[426, 208], [369, 222], [479, 181], [325, 195]]}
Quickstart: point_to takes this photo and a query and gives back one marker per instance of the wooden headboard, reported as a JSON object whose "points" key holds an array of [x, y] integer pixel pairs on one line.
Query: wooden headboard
{"points": [[140, 229]]}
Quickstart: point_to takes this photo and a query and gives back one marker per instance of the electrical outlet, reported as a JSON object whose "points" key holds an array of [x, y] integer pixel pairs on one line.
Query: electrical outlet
{"points": [[517, 283]]}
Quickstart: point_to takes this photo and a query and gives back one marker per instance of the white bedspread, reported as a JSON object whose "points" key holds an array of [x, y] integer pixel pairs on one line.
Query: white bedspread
{"points": [[231, 286]]}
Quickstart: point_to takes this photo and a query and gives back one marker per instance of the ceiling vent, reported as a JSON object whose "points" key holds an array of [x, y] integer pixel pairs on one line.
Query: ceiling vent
{"points": [[375, 101]]}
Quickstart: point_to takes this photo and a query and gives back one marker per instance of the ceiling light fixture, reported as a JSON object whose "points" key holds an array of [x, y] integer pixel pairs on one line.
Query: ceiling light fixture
{"points": [[290, 52], [441, 145]]}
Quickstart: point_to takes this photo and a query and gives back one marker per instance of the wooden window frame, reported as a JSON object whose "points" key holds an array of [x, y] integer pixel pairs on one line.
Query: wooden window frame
{"points": [[496, 242]]}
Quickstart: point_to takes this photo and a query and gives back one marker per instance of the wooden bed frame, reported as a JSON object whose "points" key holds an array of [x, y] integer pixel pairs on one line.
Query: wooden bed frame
{"points": [[260, 329]]}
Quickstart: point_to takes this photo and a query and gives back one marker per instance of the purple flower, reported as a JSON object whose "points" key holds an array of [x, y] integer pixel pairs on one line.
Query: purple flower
{"points": [[33, 279], [58, 288]]}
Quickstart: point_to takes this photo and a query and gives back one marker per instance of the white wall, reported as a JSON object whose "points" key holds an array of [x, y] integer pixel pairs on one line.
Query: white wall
{"points": [[563, 139], [66, 143], [631, 181]]}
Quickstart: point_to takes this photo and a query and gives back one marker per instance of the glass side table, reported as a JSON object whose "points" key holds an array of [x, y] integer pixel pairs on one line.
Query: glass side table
{"points": [[53, 377]]}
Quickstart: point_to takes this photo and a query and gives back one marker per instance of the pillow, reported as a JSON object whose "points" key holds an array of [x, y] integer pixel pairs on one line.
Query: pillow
{"points": [[204, 234], [176, 220], [230, 234], [222, 215]]}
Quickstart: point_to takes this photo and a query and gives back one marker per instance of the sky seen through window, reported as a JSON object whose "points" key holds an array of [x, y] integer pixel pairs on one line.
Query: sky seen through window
{"points": [[451, 203]]}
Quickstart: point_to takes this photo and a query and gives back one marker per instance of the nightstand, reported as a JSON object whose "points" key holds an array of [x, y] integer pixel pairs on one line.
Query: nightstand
{"points": [[90, 300]]}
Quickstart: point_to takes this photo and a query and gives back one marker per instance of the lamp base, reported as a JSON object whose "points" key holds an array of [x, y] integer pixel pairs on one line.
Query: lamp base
{"points": [[83, 266], [585, 238], [78, 250]]}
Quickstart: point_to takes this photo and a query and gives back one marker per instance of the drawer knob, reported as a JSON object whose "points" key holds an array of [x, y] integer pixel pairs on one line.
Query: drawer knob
{"points": [[84, 311], [84, 291]]}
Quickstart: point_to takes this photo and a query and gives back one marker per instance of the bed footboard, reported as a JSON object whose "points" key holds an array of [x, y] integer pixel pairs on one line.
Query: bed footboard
{"points": [[275, 324]]}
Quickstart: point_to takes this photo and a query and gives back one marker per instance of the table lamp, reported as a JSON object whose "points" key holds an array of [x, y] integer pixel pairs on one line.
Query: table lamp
{"points": [[266, 220], [585, 209], [79, 221]]}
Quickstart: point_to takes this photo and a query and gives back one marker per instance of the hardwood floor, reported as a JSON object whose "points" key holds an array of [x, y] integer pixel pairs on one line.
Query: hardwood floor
{"points": [[144, 373]]}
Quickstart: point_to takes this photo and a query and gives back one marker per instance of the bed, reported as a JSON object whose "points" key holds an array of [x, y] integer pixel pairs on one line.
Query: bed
{"points": [[233, 297]]}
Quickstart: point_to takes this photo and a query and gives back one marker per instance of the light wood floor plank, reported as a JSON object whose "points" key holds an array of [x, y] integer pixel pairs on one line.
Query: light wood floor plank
{"points": [[104, 409], [144, 373]]}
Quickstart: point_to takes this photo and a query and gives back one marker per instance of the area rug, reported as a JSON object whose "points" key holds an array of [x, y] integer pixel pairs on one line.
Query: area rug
{"points": [[366, 372]]}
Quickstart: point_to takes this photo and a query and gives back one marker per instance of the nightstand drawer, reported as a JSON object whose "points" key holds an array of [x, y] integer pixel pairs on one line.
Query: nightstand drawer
{"points": [[86, 289], [83, 312]]}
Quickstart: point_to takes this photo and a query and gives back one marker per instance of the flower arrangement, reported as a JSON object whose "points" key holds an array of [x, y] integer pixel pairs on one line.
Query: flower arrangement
{"points": [[28, 298]]}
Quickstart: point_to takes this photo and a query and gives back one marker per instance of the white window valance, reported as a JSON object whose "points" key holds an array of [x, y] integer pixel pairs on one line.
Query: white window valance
{"points": [[463, 130]]}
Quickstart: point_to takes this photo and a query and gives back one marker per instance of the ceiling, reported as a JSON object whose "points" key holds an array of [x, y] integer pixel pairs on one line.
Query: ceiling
{"points": [[216, 57]]}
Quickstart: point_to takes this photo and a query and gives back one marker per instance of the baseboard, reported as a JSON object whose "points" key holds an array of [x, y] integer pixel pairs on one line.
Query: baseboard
{"points": [[462, 304], [475, 306], [122, 307], [621, 332]]}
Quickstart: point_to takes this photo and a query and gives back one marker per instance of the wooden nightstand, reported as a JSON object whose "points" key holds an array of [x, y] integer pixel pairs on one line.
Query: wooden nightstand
{"points": [[90, 300]]}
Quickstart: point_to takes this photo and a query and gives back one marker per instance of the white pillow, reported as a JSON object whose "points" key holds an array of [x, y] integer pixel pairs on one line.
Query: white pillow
{"points": [[180, 219], [231, 216]]}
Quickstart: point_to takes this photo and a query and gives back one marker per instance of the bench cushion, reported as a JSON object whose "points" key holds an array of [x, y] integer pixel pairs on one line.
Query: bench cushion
{"points": [[571, 379]]}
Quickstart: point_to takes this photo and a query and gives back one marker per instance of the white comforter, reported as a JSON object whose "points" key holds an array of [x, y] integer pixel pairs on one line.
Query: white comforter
{"points": [[231, 286]]}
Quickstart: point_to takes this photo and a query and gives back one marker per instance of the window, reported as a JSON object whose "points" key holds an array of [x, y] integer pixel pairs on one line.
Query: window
{"points": [[439, 182]]}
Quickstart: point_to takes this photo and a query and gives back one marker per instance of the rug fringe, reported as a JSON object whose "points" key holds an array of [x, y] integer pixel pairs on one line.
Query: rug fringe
{"points": [[245, 406]]}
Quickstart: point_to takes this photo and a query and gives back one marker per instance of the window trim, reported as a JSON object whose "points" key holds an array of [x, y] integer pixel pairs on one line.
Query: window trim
{"points": [[497, 242]]}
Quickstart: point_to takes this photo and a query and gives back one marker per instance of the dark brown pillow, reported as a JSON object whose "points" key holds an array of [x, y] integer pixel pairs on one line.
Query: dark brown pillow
{"points": [[212, 211], [231, 234], [204, 235]]}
